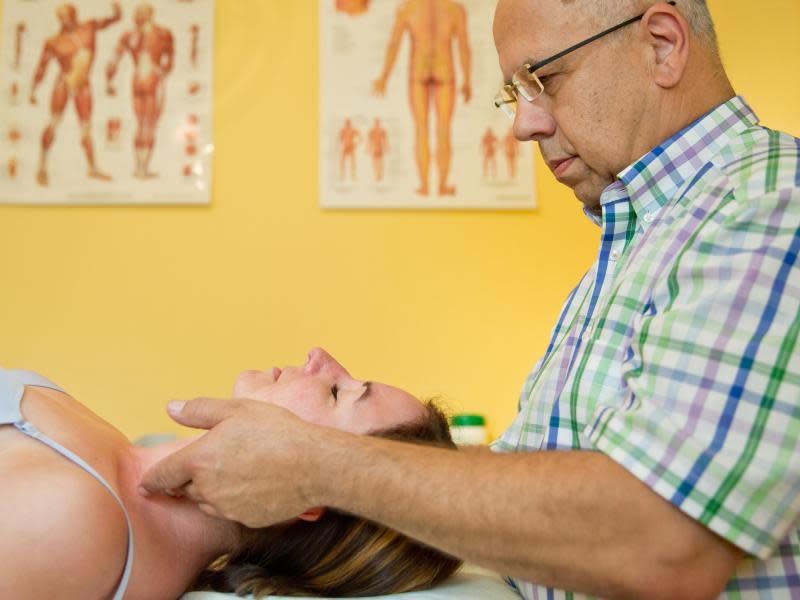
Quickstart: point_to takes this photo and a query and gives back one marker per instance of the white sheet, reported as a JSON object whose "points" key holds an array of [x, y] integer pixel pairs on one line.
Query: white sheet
{"points": [[470, 584]]}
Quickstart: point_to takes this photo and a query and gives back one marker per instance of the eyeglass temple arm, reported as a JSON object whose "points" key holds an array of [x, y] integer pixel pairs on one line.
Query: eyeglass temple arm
{"points": [[555, 57]]}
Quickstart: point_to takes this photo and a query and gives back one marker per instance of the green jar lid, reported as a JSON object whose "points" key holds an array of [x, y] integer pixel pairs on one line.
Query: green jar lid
{"points": [[464, 420]]}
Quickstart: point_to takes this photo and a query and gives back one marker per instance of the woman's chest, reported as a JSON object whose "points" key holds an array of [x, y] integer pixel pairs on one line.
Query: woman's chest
{"points": [[61, 419]]}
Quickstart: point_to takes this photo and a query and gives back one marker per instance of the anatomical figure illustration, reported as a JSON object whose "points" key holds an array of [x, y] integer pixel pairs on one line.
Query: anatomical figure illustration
{"points": [[73, 49], [432, 27], [377, 147], [151, 48], [511, 152], [489, 150], [19, 34], [194, 30], [349, 138]]}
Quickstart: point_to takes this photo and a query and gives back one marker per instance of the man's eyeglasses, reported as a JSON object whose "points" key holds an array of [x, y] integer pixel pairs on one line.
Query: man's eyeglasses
{"points": [[526, 83]]}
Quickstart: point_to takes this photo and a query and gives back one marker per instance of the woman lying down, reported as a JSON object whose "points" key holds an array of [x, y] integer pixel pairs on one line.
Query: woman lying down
{"points": [[74, 526]]}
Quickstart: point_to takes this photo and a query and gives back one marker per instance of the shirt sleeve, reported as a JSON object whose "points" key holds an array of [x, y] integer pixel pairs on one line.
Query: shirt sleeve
{"points": [[711, 417]]}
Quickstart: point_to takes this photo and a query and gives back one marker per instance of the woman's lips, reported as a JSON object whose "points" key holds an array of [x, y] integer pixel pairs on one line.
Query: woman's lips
{"points": [[559, 165]]}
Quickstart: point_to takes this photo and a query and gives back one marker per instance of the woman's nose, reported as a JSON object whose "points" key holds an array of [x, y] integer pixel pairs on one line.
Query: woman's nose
{"points": [[320, 361]]}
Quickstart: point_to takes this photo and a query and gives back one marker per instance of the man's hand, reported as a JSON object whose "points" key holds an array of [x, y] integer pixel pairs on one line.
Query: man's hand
{"points": [[248, 467]]}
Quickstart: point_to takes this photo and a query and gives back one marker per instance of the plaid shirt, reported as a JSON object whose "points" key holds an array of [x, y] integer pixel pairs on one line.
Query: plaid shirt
{"points": [[676, 355]]}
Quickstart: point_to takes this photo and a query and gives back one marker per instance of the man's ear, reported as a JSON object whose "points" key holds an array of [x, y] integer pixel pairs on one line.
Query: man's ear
{"points": [[668, 35], [313, 514]]}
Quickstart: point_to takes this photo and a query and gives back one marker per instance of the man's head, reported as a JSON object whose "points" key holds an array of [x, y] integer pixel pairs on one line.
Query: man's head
{"points": [[605, 12], [607, 103]]}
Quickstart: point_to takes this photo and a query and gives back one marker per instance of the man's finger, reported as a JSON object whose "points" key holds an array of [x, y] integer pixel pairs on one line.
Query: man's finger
{"points": [[190, 491], [209, 510], [201, 413], [171, 473]]}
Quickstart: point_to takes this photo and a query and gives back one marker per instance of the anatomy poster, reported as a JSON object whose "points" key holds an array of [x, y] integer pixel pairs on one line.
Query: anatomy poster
{"points": [[407, 118], [106, 102]]}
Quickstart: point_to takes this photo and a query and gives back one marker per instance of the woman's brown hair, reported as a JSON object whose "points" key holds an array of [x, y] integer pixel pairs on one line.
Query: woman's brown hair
{"points": [[340, 554]]}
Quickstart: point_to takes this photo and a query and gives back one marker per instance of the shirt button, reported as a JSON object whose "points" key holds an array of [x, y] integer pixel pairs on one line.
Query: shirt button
{"points": [[614, 255], [648, 217]]}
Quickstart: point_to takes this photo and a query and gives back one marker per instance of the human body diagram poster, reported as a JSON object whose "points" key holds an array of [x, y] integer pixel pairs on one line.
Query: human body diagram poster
{"points": [[406, 109], [106, 102]]}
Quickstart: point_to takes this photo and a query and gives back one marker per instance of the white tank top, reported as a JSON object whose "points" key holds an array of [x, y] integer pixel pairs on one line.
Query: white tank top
{"points": [[12, 387]]}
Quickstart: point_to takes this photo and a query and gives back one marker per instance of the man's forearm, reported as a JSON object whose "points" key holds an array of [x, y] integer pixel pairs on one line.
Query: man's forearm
{"points": [[571, 520]]}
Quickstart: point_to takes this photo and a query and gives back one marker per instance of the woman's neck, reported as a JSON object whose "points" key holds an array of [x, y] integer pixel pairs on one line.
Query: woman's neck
{"points": [[169, 530]]}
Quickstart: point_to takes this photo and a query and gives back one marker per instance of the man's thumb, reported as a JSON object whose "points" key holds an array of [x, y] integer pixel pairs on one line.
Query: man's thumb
{"points": [[174, 408], [200, 413]]}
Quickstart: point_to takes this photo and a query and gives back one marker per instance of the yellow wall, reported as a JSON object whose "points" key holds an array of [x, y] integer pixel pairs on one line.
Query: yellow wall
{"points": [[129, 307]]}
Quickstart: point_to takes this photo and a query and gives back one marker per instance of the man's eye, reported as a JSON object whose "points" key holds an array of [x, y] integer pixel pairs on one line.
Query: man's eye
{"points": [[335, 391]]}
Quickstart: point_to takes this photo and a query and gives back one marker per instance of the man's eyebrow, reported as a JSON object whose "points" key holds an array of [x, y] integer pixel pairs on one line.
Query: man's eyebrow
{"points": [[560, 61], [367, 390]]}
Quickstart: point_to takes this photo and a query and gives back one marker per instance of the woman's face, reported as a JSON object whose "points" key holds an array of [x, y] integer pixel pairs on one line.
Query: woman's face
{"points": [[322, 391]]}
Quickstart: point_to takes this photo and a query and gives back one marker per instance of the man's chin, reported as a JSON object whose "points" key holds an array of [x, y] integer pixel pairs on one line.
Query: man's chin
{"points": [[588, 196], [585, 184]]}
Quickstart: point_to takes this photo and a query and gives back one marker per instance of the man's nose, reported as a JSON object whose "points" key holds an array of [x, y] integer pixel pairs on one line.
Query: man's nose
{"points": [[533, 122]]}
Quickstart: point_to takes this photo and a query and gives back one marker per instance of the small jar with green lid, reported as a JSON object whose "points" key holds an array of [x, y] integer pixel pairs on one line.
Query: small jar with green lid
{"points": [[468, 429]]}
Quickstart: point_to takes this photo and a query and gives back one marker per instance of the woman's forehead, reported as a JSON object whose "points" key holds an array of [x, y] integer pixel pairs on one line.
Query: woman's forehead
{"points": [[388, 407]]}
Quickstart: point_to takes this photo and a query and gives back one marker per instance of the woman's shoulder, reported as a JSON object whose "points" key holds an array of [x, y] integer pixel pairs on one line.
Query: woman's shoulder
{"points": [[64, 535]]}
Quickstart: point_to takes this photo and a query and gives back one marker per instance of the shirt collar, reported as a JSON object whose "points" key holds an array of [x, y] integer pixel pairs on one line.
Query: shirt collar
{"points": [[654, 178]]}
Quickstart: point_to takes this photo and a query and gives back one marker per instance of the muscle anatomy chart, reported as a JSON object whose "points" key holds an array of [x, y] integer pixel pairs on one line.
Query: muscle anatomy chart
{"points": [[98, 95], [420, 79]]}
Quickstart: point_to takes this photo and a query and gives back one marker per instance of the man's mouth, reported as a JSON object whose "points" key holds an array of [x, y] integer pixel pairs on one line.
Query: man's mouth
{"points": [[559, 165]]}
